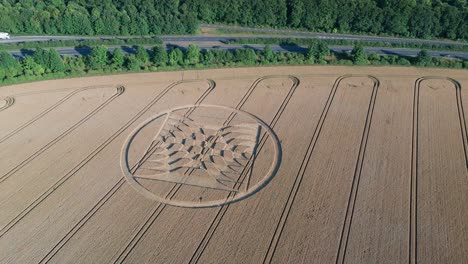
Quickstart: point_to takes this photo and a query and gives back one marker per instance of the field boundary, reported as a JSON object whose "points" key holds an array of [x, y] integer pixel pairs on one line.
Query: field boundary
{"points": [[412, 252]]}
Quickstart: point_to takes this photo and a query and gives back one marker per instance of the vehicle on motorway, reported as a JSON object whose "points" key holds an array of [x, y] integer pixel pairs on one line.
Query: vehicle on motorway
{"points": [[4, 35]]}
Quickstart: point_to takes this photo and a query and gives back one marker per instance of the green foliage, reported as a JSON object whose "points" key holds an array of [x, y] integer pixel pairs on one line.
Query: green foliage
{"points": [[441, 19], [9, 66], [176, 57], [208, 57], [55, 61], [142, 54], [317, 51], [41, 57], [374, 57], [423, 58], [133, 63], [403, 62], [118, 58], [247, 56], [193, 54], [323, 51], [31, 68], [358, 56], [268, 54], [311, 53], [49, 60], [160, 56], [427, 19], [119, 17], [47, 64], [74, 64], [98, 57]]}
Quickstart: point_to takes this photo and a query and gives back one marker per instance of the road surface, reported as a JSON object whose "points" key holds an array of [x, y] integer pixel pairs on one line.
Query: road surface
{"points": [[300, 49], [285, 33], [335, 36]]}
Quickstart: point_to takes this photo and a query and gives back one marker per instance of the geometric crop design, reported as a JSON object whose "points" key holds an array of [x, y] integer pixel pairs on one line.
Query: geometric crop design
{"points": [[212, 147], [186, 152]]}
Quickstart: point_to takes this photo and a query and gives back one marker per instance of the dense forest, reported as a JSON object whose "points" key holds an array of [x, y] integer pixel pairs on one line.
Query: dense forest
{"points": [[413, 18]]}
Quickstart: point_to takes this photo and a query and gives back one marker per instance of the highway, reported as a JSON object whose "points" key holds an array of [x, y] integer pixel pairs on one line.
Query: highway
{"points": [[301, 49], [335, 36], [215, 41], [283, 34]]}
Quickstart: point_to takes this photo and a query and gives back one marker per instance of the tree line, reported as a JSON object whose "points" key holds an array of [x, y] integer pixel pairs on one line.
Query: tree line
{"points": [[47, 63], [96, 17], [412, 18]]}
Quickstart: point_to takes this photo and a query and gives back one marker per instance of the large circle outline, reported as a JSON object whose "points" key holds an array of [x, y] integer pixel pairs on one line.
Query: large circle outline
{"points": [[214, 203]]}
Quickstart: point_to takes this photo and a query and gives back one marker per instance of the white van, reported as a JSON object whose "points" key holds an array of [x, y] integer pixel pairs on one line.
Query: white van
{"points": [[4, 35]]}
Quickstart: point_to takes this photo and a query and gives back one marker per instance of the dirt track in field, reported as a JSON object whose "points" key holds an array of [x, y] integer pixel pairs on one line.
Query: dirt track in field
{"points": [[249, 165]]}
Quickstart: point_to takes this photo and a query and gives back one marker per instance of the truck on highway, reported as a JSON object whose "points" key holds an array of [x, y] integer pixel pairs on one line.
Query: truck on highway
{"points": [[4, 35]]}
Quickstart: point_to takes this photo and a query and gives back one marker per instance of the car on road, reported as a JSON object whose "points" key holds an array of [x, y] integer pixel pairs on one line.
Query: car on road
{"points": [[4, 35]]}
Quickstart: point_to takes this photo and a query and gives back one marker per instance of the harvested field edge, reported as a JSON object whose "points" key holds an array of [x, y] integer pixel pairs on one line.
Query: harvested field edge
{"points": [[158, 210], [119, 90], [412, 252], [297, 182], [113, 190], [75, 169]]}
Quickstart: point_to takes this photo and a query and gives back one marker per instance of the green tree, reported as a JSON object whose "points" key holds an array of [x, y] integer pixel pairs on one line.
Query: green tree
{"points": [[133, 63], [9, 66], [422, 21], [118, 58], [41, 56], [55, 61], [193, 54], [246, 56], [74, 64], [323, 50], [142, 55], [317, 51], [31, 68], [358, 55], [268, 54], [422, 18], [423, 58], [98, 57], [374, 57], [176, 56], [160, 57], [297, 11], [403, 62], [208, 57], [311, 53]]}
